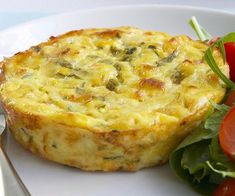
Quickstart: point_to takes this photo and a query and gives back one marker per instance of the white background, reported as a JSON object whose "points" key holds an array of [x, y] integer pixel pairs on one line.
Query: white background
{"points": [[67, 5]]}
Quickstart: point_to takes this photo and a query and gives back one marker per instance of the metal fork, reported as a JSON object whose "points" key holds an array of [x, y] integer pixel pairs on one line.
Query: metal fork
{"points": [[10, 182]]}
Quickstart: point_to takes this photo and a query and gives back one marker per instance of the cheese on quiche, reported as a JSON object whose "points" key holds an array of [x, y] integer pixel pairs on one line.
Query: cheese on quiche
{"points": [[108, 99]]}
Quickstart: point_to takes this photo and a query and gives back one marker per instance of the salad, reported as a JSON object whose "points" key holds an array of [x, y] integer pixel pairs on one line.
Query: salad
{"points": [[206, 158]]}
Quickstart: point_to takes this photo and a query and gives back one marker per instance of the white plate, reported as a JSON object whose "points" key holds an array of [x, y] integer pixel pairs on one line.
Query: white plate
{"points": [[44, 178]]}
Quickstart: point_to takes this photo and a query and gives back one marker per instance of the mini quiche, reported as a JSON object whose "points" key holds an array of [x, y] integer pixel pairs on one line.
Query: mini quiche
{"points": [[108, 99]]}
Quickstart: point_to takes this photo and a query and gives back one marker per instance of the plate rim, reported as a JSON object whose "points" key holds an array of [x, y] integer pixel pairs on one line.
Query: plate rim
{"points": [[128, 6], [143, 6]]}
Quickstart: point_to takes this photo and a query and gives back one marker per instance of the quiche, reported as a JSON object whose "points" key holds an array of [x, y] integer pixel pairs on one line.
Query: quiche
{"points": [[108, 98]]}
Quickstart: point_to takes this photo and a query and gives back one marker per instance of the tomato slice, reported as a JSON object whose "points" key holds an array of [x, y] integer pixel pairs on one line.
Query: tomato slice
{"points": [[230, 58], [226, 188], [230, 101], [227, 134]]}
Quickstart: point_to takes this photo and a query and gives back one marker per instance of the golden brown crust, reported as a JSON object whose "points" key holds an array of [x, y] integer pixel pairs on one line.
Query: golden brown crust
{"points": [[146, 91], [151, 83], [129, 158]]}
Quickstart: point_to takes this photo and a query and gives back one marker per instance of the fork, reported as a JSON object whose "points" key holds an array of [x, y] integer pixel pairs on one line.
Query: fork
{"points": [[10, 182]]}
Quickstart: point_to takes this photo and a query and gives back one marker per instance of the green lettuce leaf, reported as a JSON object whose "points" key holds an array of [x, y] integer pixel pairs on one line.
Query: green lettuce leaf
{"points": [[195, 162], [216, 152], [213, 122], [211, 61], [203, 35], [224, 173], [199, 159]]}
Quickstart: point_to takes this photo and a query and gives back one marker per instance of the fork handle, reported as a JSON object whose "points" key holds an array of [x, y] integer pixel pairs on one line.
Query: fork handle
{"points": [[10, 182]]}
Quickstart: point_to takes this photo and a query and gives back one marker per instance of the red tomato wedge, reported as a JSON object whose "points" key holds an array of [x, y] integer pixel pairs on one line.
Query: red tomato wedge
{"points": [[230, 101], [230, 58], [226, 188], [227, 134]]}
